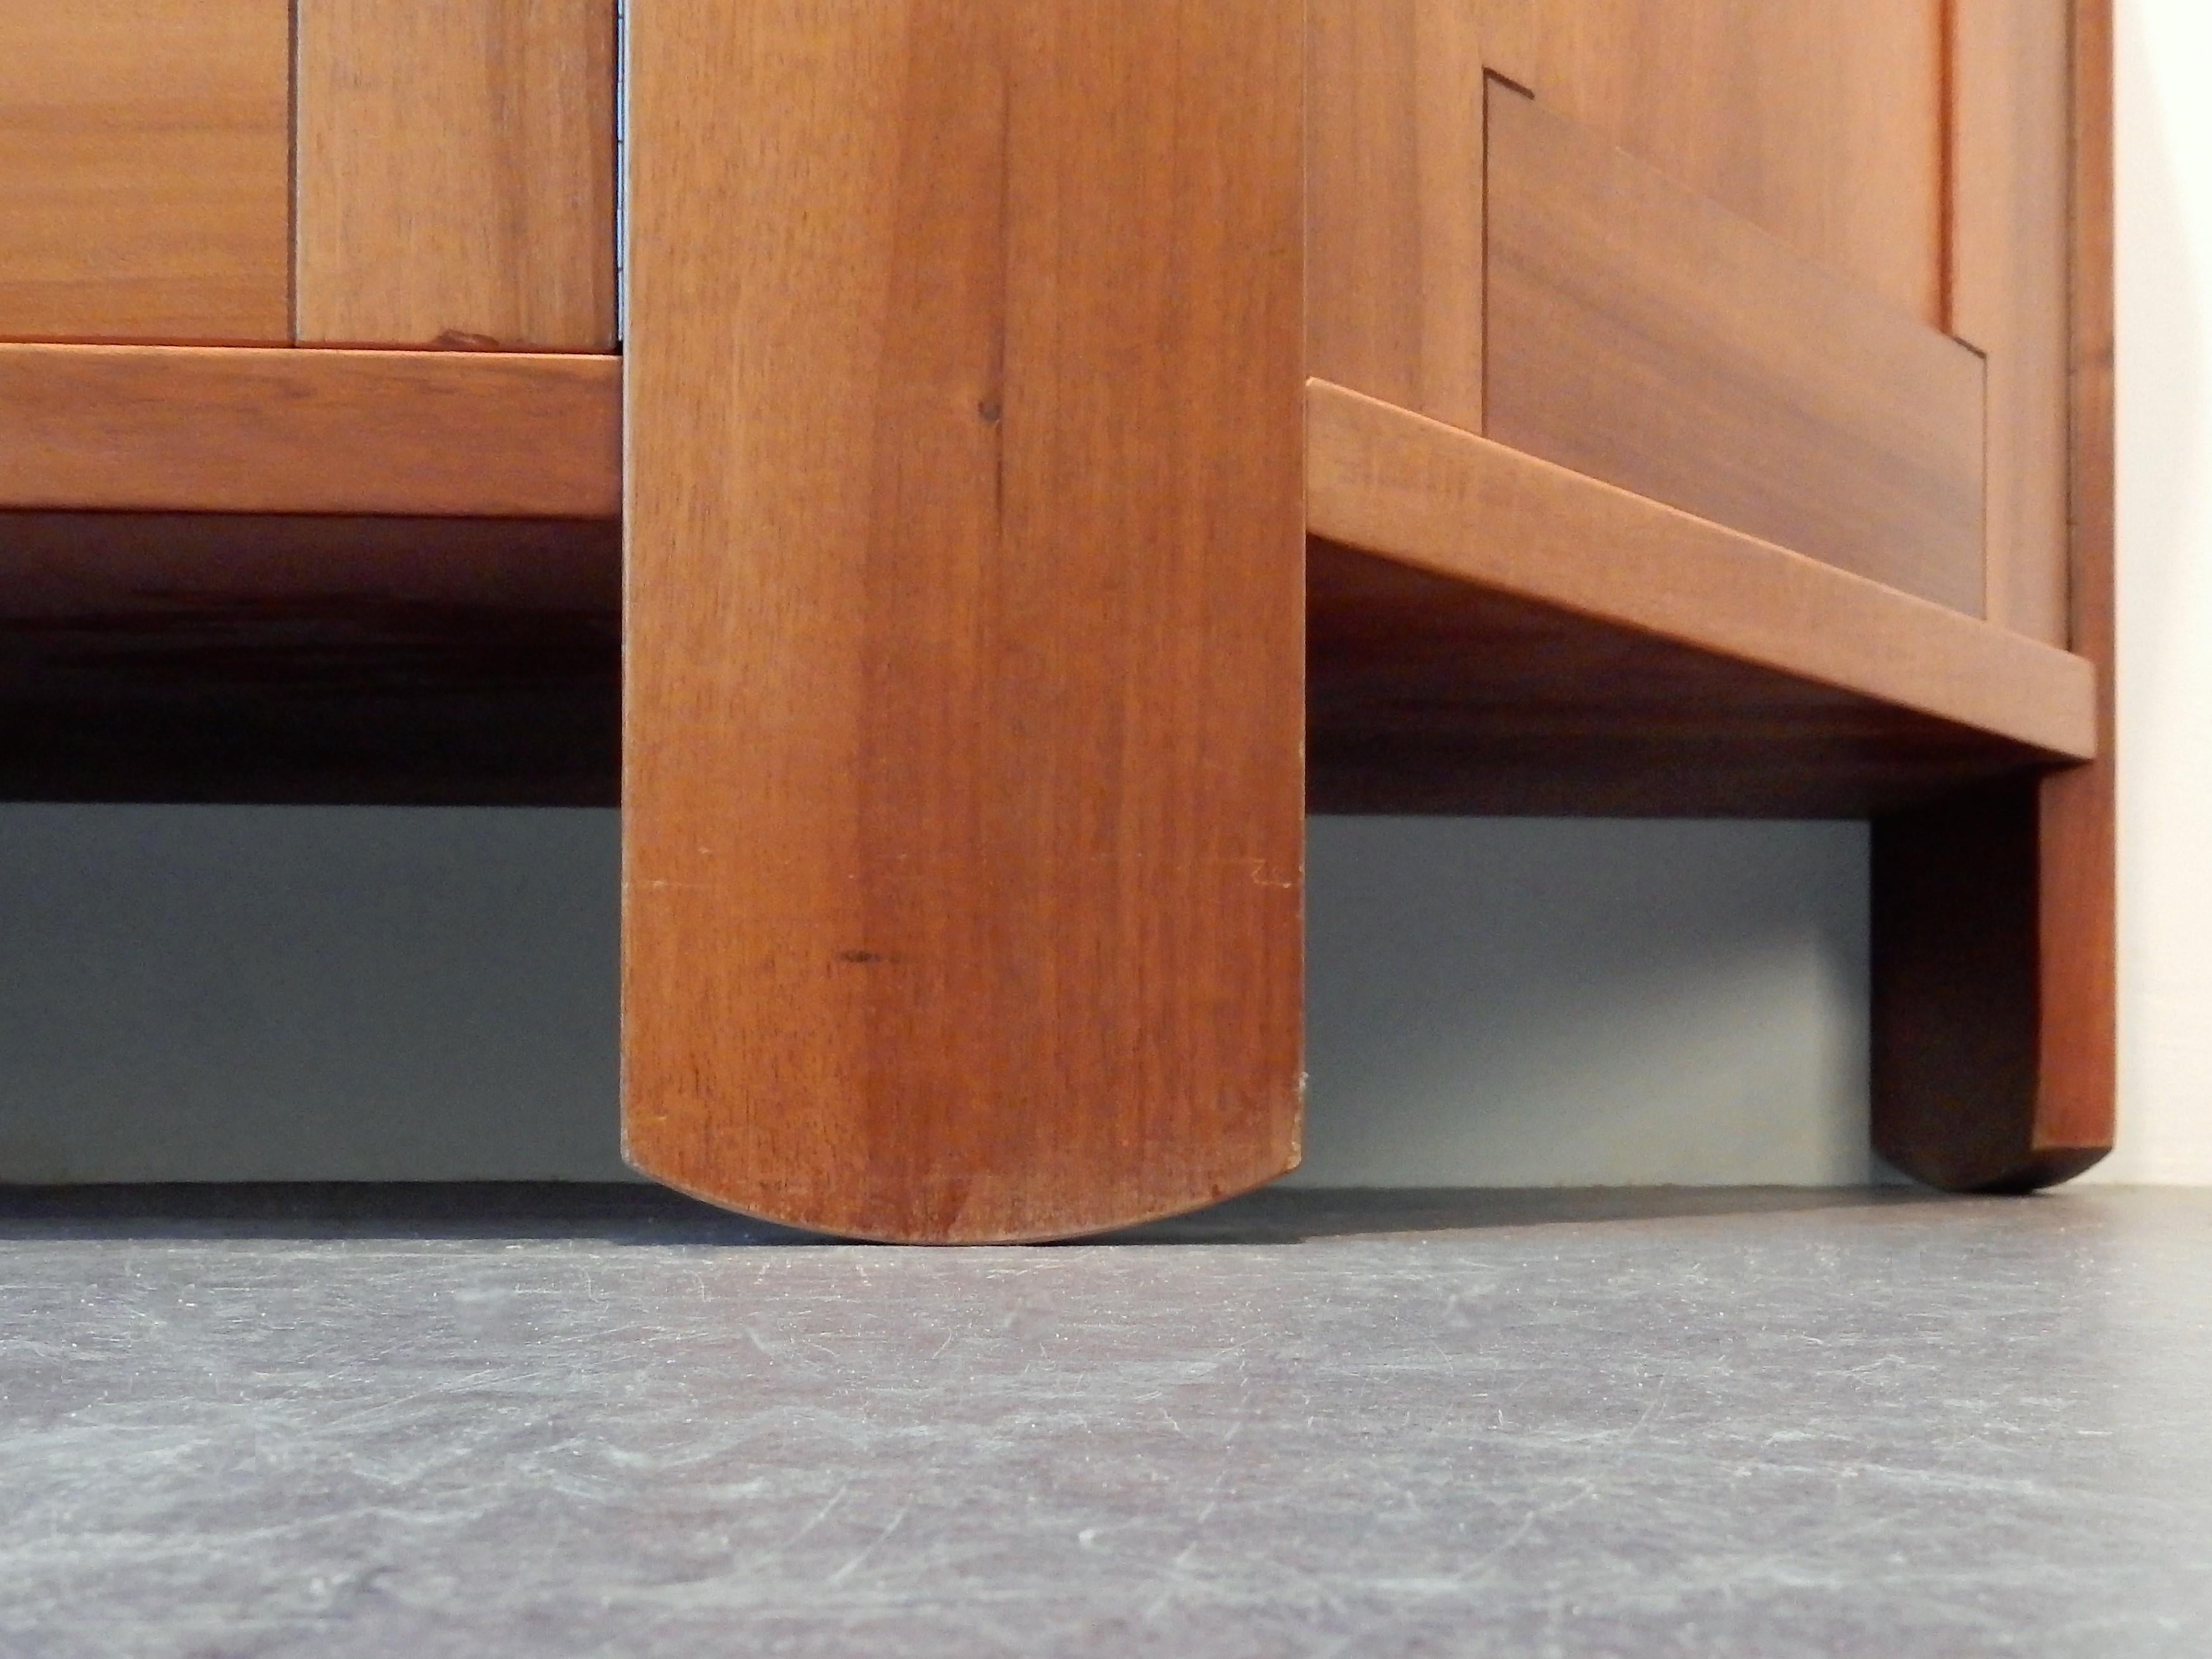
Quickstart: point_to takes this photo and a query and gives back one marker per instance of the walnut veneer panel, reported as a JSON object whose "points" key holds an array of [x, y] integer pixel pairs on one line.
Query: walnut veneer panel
{"points": [[146, 151], [1649, 337], [964, 787], [2012, 89], [457, 172], [1821, 121]]}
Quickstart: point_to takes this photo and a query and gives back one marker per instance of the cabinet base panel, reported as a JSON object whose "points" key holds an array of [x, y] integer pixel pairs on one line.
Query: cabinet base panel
{"points": [[211, 658]]}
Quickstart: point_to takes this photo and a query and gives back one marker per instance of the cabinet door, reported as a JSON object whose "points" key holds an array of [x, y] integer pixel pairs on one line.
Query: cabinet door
{"points": [[146, 150], [1796, 269]]}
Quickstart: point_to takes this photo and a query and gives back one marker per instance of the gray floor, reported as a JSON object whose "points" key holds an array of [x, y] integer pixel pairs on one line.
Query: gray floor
{"points": [[487, 1421]]}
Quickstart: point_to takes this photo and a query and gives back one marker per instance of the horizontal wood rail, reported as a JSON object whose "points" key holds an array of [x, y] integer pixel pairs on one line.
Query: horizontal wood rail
{"points": [[1385, 481], [279, 430]]}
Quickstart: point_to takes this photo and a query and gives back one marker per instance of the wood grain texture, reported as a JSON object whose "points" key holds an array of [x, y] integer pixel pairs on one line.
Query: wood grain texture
{"points": [[1508, 40], [2078, 886], [1386, 481], [333, 660], [1394, 138], [146, 148], [241, 429], [962, 797], [2012, 129], [1431, 694], [1994, 1004], [456, 180], [1821, 121], [1649, 337]]}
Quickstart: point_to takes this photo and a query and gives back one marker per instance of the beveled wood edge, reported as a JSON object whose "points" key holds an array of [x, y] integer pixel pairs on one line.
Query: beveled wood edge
{"points": [[310, 430], [1386, 481]]}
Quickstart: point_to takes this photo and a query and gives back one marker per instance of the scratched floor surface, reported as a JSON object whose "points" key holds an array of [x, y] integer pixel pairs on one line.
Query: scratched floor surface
{"points": [[546, 1423]]}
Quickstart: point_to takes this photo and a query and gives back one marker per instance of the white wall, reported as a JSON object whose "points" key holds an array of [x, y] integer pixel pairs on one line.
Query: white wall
{"points": [[205, 994]]}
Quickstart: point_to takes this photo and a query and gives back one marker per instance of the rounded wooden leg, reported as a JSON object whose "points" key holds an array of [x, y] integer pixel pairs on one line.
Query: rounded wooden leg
{"points": [[964, 793], [1993, 985]]}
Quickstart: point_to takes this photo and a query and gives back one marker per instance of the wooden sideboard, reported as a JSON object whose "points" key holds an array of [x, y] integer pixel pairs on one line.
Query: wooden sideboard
{"points": [[1050, 446]]}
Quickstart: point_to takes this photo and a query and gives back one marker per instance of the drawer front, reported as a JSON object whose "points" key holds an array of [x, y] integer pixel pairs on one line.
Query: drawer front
{"points": [[457, 173], [147, 150], [380, 173]]}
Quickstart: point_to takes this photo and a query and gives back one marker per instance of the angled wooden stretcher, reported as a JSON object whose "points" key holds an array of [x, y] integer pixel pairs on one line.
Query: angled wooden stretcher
{"points": [[1057, 444]]}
